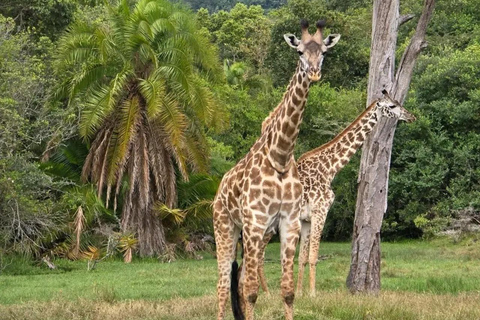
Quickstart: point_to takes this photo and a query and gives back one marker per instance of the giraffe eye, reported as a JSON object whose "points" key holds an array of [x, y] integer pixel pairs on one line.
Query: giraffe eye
{"points": [[300, 52], [392, 106]]}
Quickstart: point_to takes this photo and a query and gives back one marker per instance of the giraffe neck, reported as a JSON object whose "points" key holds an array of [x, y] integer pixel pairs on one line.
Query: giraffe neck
{"points": [[282, 126], [340, 149]]}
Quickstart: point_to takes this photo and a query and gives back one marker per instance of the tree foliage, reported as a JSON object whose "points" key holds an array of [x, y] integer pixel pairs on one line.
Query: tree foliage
{"points": [[139, 80]]}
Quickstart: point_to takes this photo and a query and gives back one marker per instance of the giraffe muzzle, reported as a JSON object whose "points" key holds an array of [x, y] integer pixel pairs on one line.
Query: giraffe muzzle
{"points": [[410, 118], [314, 76]]}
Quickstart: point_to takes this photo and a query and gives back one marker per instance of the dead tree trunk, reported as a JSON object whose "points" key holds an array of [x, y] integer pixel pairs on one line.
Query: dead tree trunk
{"points": [[364, 275]]}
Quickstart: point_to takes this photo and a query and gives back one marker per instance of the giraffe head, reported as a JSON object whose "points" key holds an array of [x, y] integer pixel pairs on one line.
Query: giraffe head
{"points": [[312, 48], [390, 108]]}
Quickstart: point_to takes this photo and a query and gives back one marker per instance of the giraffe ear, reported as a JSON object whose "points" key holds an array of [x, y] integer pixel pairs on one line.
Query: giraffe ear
{"points": [[331, 40], [292, 40]]}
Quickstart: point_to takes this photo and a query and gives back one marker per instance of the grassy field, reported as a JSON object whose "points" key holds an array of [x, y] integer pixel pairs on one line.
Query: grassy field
{"points": [[420, 280]]}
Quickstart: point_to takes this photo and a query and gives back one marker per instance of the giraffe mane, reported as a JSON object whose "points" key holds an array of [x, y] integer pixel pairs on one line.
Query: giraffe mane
{"points": [[337, 137], [275, 111], [271, 116]]}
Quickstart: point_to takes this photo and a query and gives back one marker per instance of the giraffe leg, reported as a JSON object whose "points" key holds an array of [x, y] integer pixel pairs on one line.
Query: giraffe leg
{"points": [[319, 216], [289, 234], [303, 255], [261, 271], [252, 242], [226, 237]]}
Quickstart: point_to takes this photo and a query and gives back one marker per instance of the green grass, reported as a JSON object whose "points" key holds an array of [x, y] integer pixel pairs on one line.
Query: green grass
{"points": [[420, 280]]}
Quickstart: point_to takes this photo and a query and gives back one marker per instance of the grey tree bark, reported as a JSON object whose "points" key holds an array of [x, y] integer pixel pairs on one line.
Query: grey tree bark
{"points": [[364, 275]]}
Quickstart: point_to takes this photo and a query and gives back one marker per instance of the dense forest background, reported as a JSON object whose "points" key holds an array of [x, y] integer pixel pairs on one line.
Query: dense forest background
{"points": [[45, 140]]}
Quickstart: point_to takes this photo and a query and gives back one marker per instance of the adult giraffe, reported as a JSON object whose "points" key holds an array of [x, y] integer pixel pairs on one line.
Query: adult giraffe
{"points": [[263, 191], [318, 167]]}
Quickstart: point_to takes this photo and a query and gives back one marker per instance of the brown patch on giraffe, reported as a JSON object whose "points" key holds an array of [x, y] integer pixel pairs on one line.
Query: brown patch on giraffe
{"points": [[254, 193], [299, 78], [269, 192], [267, 170], [295, 118], [259, 207], [256, 159], [257, 180], [287, 207], [254, 172], [262, 219], [280, 158], [290, 112], [290, 131], [274, 208], [295, 99], [283, 143], [299, 92], [236, 191], [246, 185]]}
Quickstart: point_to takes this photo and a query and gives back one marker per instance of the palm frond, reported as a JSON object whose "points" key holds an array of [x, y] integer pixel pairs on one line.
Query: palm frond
{"points": [[96, 110], [201, 209], [126, 127], [174, 124], [153, 91], [166, 213]]}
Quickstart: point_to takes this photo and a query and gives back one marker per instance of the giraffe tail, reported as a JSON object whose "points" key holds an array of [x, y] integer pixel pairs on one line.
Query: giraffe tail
{"points": [[235, 297]]}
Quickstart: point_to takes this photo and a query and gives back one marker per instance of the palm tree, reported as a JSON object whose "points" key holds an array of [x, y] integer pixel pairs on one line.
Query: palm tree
{"points": [[140, 80]]}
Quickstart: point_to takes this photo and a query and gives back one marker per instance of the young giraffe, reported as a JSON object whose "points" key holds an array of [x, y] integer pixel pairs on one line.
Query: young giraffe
{"points": [[318, 167], [263, 191]]}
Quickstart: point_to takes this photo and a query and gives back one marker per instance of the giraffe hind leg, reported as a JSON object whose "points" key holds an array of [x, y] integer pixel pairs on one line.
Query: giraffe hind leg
{"points": [[303, 255], [318, 222]]}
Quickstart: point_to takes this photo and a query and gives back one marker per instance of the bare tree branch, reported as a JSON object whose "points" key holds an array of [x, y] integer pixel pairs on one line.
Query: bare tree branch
{"points": [[407, 63], [405, 18]]}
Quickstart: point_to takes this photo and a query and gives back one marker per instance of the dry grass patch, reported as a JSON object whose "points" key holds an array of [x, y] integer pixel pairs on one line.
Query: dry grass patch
{"points": [[328, 305]]}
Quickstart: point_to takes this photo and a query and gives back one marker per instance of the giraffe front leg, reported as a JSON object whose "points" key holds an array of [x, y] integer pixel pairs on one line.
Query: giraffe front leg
{"points": [[303, 255], [253, 244], [226, 237], [261, 262], [289, 234]]}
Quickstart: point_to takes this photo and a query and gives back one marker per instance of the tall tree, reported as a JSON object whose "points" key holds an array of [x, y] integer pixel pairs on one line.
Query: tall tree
{"points": [[364, 275], [139, 80]]}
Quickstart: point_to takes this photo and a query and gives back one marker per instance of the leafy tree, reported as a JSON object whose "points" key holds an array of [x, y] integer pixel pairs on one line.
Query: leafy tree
{"points": [[217, 5], [30, 219], [436, 159], [242, 34], [139, 80], [48, 17], [25, 80]]}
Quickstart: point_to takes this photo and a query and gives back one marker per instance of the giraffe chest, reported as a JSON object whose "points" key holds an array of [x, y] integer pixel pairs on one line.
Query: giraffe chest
{"points": [[260, 195]]}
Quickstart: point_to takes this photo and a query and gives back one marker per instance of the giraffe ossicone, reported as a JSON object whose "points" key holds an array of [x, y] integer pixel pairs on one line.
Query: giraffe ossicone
{"points": [[263, 192]]}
